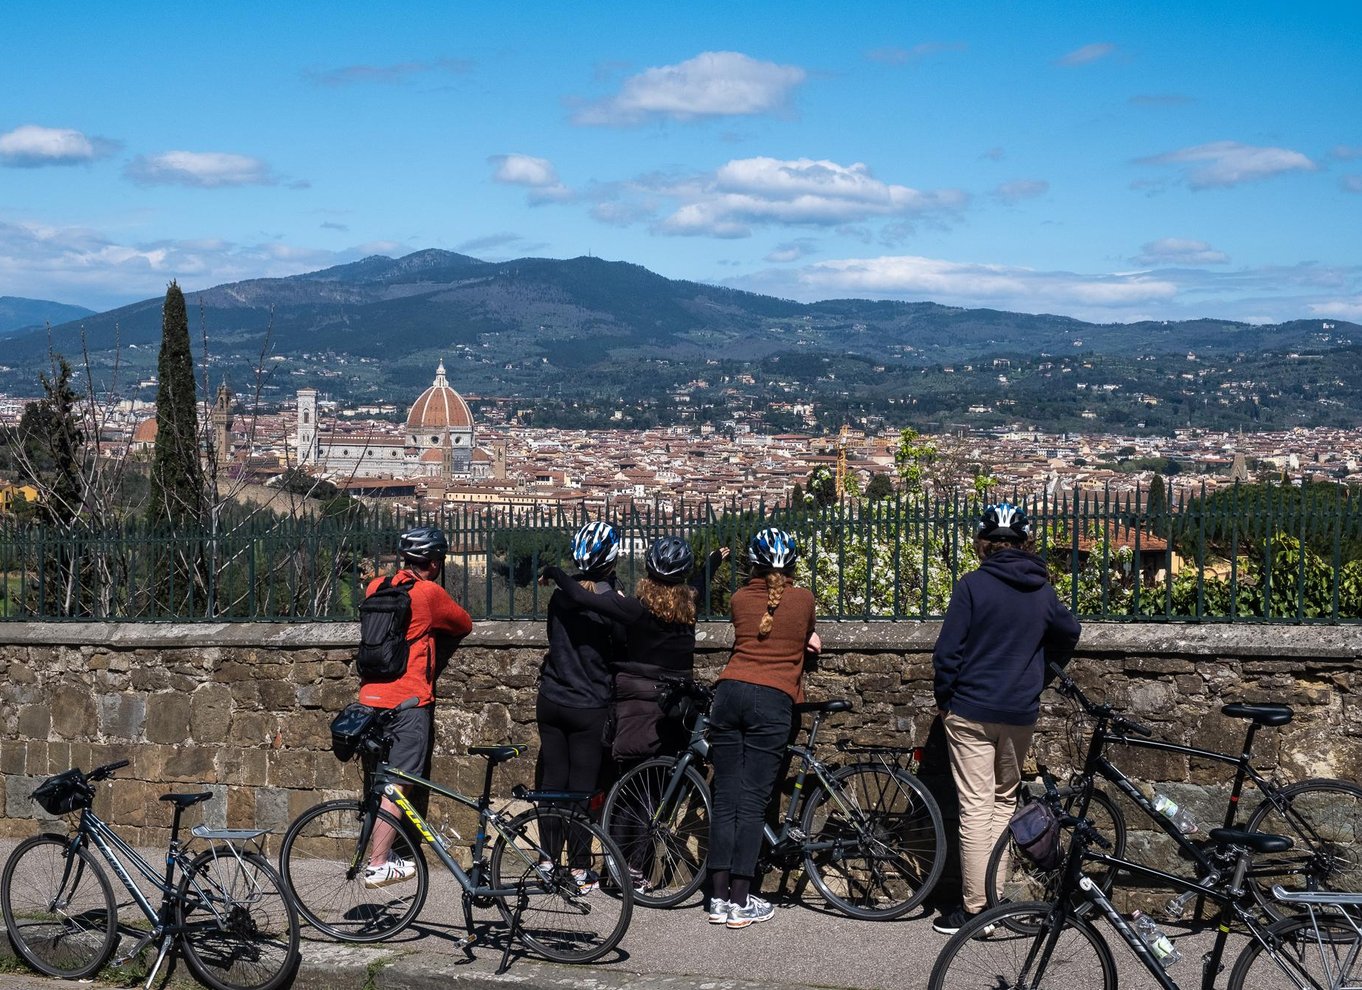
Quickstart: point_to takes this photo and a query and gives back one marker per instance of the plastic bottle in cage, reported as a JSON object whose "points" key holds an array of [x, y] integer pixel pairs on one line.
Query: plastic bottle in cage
{"points": [[1180, 817], [1160, 944]]}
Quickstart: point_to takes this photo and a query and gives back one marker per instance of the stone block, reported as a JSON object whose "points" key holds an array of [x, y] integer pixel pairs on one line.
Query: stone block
{"points": [[73, 711], [168, 718], [132, 801], [210, 712], [13, 754], [35, 721], [122, 716], [292, 769], [191, 763], [277, 695], [36, 764]]}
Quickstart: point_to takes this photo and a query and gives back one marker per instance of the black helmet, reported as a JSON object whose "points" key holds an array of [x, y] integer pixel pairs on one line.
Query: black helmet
{"points": [[1003, 521], [669, 560], [595, 547], [424, 543], [773, 548]]}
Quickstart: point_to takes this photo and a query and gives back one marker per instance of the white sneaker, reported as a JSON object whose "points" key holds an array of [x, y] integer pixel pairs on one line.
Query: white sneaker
{"points": [[756, 909], [393, 871], [717, 910]]}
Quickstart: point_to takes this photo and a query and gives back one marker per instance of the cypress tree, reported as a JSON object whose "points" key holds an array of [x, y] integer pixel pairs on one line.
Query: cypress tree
{"points": [[177, 492]]}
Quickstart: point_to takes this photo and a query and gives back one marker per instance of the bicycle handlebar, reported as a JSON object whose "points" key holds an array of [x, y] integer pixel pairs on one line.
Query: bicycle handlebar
{"points": [[1085, 828], [102, 773], [1069, 688]]}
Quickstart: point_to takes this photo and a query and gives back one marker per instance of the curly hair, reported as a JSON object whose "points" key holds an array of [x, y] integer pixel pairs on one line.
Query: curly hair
{"points": [[984, 549], [674, 603]]}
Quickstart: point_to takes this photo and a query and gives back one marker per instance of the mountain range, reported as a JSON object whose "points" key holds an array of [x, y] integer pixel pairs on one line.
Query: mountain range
{"points": [[539, 327], [17, 315]]}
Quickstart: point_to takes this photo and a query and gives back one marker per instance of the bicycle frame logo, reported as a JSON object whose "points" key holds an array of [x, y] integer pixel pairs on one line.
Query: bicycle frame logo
{"points": [[391, 792]]}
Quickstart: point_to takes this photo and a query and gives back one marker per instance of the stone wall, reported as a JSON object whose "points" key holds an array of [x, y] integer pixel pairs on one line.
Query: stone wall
{"points": [[243, 710]]}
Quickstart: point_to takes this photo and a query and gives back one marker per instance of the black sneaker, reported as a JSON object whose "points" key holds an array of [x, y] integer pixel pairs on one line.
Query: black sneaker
{"points": [[952, 921]]}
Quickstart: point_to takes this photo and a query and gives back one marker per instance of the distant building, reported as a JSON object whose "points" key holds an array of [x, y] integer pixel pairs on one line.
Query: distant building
{"points": [[437, 441]]}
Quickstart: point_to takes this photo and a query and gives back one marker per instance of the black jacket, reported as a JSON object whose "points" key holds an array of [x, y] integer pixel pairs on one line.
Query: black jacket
{"points": [[583, 646], [1004, 621]]}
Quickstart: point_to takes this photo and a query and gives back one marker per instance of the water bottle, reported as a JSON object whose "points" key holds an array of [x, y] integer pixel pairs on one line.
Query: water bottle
{"points": [[1180, 817], [1159, 944]]}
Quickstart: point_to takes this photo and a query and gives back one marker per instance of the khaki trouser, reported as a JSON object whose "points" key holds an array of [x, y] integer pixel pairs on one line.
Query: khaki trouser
{"points": [[986, 759]]}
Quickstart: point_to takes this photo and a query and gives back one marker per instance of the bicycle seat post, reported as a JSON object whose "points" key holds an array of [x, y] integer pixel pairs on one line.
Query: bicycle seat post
{"points": [[485, 800]]}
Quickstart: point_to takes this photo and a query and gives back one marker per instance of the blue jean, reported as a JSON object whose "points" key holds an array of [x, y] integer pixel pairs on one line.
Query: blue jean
{"points": [[749, 726]]}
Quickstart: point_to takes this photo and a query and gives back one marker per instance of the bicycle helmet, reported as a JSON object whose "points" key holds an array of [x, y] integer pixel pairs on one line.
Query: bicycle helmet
{"points": [[425, 543], [1003, 521], [773, 548], [669, 560], [595, 547]]}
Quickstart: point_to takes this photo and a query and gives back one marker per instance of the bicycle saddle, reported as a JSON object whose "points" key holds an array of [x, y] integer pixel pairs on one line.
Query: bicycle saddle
{"points": [[496, 753], [185, 800], [835, 705], [1262, 714], [1260, 842]]}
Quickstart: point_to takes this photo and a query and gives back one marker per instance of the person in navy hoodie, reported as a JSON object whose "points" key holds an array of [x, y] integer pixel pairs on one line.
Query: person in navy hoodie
{"points": [[1003, 623]]}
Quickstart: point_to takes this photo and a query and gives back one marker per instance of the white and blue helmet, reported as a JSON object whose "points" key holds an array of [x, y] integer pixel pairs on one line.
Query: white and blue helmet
{"points": [[773, 548], [595, 547], [1003, 521]]}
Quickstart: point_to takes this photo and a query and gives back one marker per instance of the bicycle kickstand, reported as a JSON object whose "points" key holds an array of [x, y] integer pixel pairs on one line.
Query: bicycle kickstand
{"points": [[167, 943], [522, 899], [142, 943], [466, 943]]}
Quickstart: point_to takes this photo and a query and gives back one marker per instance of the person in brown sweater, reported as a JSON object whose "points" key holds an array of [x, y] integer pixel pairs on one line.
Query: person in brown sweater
{"points": [[749, 724]]}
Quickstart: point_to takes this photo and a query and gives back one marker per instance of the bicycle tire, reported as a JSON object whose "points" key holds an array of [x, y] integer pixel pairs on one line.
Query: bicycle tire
{"points": [[553, 914], [322, 867], [990, 951], [238, 928], [889, 843], [1304, 951], [1024, 881], [665, 854], [1324, 822], [76, 941]]}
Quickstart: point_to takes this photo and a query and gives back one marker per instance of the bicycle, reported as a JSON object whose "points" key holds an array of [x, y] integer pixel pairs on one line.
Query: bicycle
{"points": [[537, 871], [1049, 946], [869, 834], [226, 913], [1322, 817]]}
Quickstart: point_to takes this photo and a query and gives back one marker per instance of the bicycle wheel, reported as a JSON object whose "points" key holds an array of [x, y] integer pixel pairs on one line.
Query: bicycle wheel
{"points": [[874, 845], [1000, 948], [1305, 957], [572, 904], [1010, 876], [59, 909], [665, 849], [238, 929], [1323, 818], [322, 865]]}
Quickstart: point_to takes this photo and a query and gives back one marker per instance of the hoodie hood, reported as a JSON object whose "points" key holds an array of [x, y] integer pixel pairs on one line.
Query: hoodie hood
{"points": [[1023, 571]]}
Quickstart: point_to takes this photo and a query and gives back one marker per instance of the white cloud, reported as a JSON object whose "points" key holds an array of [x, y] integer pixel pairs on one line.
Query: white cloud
{"points": [[1351, 183], [32, 146], [712, 84], [200, 169], [1343, 309], [1086, 54], [85, 266], [1015, 192], [1228, 163], [1180, 251], [753, 191], [1346, 153], [791, 251], [536, 174]]}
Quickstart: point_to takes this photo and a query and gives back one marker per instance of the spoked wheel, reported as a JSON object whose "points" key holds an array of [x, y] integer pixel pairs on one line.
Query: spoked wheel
{"points": [[322, 862], [1323, 819], [59, 909], [874, 844], [1310, 958], [240, 931], [664, 837], [572, 898], [1004, 947], [1012, 877]]}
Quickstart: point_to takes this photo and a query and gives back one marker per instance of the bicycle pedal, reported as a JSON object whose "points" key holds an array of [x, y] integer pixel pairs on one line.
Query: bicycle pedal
{"points": [[467, 941]]}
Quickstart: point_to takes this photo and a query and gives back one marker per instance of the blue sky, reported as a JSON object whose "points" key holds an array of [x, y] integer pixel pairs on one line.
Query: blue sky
{"points": [[1112, 162]]}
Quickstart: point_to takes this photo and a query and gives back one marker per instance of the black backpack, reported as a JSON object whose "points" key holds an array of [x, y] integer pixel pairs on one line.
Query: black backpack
{"points": [[383, 620]]}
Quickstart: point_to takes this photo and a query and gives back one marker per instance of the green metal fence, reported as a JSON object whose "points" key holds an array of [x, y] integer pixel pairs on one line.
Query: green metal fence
{"points": [[1250, 553]]}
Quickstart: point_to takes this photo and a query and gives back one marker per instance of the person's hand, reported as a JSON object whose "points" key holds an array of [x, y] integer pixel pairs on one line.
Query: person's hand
{"points": [[544, 578], [815, 644], [725, 553]]}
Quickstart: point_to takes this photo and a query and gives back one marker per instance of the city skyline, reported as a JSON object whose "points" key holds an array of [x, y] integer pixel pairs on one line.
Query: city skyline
{"points": [[1108, 164]]}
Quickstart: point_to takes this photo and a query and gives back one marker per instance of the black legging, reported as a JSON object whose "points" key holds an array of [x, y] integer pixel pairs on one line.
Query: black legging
{"points": [[570, 753]]}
